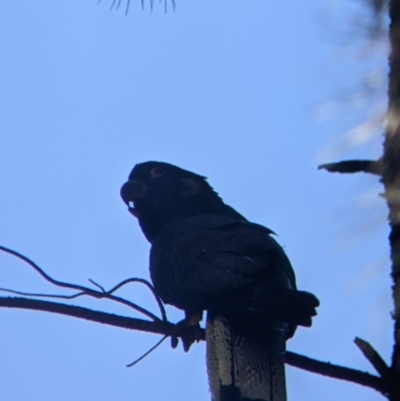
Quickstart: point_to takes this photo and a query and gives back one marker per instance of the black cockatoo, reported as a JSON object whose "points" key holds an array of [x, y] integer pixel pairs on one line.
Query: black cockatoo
{"points": [[205, 256]]}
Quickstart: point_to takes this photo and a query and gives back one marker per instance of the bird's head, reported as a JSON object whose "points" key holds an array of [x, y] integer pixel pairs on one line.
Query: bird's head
{"points": [[157, 192]]}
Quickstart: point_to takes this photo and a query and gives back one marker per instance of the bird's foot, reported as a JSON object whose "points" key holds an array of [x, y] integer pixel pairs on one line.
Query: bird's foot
{"points": [[188, 330]]}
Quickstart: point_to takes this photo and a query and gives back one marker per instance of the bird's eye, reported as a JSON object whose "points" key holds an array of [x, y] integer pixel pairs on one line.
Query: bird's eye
{"points": [[156, 172]]}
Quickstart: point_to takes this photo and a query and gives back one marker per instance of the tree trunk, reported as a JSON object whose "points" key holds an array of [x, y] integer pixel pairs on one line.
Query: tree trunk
{"points": [[391, 181]]}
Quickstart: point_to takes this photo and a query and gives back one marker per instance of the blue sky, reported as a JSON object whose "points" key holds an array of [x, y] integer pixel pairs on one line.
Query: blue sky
{"points": [[226, 89]]}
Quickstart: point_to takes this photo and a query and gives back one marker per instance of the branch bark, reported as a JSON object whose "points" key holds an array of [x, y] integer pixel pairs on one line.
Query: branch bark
{"points": [[335, 371], [155, 326], [391, 179], [353, 166]]}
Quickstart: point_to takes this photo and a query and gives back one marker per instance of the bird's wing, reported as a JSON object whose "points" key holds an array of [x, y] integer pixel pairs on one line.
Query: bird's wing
{"points": [[201, 259]]}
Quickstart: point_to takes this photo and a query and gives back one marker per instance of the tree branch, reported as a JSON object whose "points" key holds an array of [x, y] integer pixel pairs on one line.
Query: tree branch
{"points": [[156, 327], [353, 166], [168, 329], [335, 371]]}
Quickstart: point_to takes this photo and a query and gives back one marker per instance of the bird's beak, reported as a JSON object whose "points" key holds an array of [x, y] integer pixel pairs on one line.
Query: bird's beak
{"points": [[130, 192]]}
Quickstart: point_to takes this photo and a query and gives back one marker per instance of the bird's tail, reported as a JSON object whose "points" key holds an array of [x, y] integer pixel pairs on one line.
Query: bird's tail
{"points": [[240, 368]]}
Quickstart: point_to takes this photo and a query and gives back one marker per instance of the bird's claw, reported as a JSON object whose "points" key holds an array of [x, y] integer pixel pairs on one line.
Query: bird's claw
{"points": [[188, 330]]}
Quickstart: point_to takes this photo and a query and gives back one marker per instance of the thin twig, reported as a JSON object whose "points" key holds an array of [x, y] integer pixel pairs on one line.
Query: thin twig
{"points": [[147, 353], [373, 357], [32, 294], [85, 290], [148, 285], [113, 4], [127, 303], [101, 288]]}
